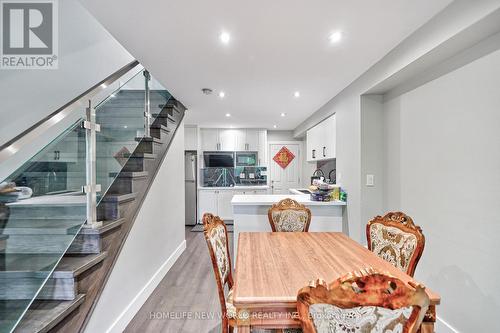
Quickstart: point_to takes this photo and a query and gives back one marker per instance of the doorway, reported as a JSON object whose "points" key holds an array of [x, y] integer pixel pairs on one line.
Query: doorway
{"points": [[283, 179]]}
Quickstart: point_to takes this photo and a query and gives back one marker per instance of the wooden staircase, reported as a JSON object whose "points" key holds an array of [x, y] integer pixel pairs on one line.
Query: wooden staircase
{"points": [[69, 296]]}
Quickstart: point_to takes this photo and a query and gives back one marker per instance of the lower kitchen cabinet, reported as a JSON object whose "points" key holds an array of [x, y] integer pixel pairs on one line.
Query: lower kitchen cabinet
{"points": [[218, 202], [207, 202]]}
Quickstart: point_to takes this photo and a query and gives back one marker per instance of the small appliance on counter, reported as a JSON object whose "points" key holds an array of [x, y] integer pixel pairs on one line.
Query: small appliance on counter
{"points": [[321, 191], [317, 175]]}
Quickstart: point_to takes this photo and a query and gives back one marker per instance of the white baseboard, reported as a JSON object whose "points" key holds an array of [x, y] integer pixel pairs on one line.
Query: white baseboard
{"points": [[134, 306], [443, 327]]}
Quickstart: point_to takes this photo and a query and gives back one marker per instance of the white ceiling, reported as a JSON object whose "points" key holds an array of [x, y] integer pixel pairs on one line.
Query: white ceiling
{"points": [[277, 47]]}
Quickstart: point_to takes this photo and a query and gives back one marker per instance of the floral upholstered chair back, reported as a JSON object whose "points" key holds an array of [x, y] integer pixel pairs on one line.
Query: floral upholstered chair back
{"points": [[289, 216], [395, 238], [362, 302], [217, 240]]}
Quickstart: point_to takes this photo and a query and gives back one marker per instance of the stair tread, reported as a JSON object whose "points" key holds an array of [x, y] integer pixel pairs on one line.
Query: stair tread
{"points": [[106, 226], [29, 266], [142, 155], [44, 315], [146, 139], [42, 226], [24, 262], [51, 200], [129, 174], [74, 265], [118, 197]]}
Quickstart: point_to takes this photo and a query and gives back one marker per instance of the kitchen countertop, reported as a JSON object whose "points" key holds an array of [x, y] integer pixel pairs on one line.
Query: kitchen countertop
{"points": [[238, 187], [269, 199]]}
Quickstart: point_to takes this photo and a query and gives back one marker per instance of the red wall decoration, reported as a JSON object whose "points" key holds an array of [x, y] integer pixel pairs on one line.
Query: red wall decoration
{"points": [[284, 157]]}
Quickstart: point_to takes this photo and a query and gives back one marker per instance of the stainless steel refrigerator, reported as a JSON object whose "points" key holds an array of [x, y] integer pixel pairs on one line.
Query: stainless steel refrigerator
{"points": [[190, 184]]}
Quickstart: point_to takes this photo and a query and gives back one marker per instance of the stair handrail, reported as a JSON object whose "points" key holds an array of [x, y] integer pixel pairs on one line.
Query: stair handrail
{"points": [[11, 147]]}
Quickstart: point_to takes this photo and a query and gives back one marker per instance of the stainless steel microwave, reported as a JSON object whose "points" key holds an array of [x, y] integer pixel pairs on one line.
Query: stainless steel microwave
{"points": [[247, 158]]}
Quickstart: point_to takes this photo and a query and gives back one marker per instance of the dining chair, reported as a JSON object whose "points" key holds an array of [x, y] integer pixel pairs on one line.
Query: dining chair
{"points": [[218, 245], [396, 239], [289, 216], [364, 301]]}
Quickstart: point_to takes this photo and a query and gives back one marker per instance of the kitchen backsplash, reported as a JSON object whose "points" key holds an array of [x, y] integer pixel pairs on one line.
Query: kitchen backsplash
{"points": [[237, 176]]}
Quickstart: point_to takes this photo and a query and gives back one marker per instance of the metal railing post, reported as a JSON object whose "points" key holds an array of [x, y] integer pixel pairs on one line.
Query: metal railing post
{"points": [[91, 188], [147, 106]]}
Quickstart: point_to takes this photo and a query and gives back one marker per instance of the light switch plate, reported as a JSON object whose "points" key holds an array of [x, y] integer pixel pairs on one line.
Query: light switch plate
{"points": [[370, 180]]}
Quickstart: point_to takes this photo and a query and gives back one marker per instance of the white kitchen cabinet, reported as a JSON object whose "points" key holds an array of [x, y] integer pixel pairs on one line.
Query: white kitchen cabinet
{"points": [[241, 139], [218, 202], [227, 139], [224, 208], [213, 139], [331, 138], [207, 202], [252, 140], [321, 140], [210, 139], [190, 138]]}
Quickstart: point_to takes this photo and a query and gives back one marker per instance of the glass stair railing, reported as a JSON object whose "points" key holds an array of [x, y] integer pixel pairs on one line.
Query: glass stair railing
{"points": [[43, 209]]}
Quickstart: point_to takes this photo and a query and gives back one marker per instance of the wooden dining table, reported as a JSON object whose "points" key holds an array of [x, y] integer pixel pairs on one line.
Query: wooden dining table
{"points": [[272, 267]]}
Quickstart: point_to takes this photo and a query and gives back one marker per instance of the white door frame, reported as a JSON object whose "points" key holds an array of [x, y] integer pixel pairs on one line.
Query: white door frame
{"points": [[270, 158]]}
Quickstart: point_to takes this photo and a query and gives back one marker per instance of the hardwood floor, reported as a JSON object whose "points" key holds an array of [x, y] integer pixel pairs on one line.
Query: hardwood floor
{"points": [[188, 289]]}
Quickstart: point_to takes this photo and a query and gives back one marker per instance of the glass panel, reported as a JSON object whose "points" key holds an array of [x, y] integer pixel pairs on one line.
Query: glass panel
{"points": [[121, 117], [41, 210], [159, 97], [42, 207]]}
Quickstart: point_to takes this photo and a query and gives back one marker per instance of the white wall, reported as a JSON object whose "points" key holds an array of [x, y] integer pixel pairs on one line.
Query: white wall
{"points": [[372, 158], [154, 243], [87, 54], [347, 104], [442, 167]]}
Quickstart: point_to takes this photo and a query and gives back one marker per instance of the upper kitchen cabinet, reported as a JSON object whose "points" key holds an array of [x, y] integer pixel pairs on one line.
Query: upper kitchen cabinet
{"points": [[213, 139], [252, 140], [210, 139], [228, 139], [321, 140]]}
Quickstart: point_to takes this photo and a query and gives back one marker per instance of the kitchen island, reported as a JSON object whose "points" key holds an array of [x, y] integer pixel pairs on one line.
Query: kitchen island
{"points": [[250, 213]]}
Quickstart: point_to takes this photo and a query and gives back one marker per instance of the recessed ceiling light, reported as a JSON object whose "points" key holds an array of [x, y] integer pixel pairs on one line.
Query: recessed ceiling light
{"points": [[228, 115], [225, 37], [104, 86], [335, 37], [222, 94], [275, 126], [296, 94], [283, 114]]}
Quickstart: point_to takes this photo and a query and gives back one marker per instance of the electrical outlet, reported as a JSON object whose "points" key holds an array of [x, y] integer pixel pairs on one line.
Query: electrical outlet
{"points": [[370, 180]]}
